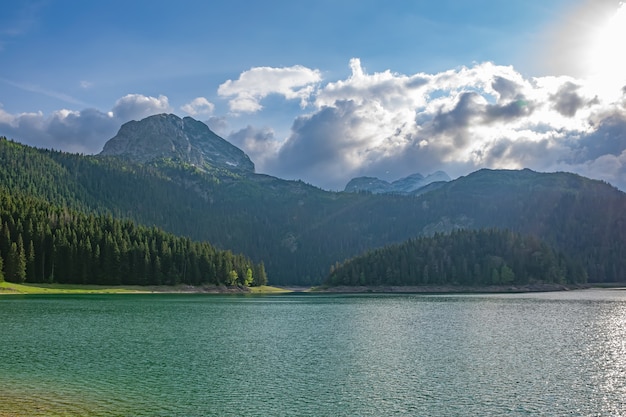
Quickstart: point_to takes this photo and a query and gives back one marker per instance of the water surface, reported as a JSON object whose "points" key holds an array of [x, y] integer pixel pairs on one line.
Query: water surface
{"points": [[314, 355]]}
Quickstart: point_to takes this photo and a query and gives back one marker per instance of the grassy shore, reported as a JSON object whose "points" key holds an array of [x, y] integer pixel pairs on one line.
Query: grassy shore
{"points": [[11, 288]]}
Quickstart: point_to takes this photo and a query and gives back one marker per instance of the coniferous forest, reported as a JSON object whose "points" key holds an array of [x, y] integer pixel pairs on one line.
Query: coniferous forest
{"points": [[463, 257], [41, 243], [295, 230]]}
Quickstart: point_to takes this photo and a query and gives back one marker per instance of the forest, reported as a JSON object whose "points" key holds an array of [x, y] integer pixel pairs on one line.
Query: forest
{"points": [[298, 231], [44, 243], [463, 257]]}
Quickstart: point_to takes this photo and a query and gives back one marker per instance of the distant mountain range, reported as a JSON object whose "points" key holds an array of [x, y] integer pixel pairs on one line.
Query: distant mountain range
{"points": [[411, 184], [179, 176]]}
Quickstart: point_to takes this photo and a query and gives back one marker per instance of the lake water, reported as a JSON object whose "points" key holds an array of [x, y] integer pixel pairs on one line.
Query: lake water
{"points": [[548, 354]]}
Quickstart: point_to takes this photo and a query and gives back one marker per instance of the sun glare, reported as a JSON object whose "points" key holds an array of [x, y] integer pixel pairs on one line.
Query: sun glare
{"points": [[606, 60]]}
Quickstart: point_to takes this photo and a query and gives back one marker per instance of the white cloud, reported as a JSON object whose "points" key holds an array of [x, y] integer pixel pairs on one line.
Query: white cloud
{"points": [[199, 106], [385, 124], [137, 106], [83, 131], [391, 125], [259, 144], [296, 82]]}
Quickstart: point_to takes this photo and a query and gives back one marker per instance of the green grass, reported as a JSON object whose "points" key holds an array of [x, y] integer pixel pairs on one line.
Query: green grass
{"points": [[266, 289], [11, 288]]}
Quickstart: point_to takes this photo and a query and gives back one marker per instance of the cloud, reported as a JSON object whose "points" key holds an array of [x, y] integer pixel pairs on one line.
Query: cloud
{"points": [[385, 124], [296, 82], [259, 144], [137, 106], [218, 124], [72, 131], [83, 131], [506, 89], [391, 125], [199, 106], [566, 100]]}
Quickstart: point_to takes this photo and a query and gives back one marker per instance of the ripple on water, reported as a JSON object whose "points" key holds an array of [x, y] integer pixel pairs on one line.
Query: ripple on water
{"points": [[325, 356]]}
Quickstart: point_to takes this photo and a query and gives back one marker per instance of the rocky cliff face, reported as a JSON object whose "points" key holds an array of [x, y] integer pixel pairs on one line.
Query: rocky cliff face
{"points": [[406, 185], [183, 140]]}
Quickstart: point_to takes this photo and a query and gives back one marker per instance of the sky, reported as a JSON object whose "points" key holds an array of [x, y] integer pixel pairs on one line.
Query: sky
{"points": [[325, 91]]}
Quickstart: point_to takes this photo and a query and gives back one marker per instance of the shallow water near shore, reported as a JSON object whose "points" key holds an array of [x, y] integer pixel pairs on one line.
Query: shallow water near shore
{"points": [[561, 353]]}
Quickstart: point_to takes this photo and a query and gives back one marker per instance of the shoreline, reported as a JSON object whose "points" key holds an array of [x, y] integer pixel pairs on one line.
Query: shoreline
{"points": [[453, 289], [8, 288]]}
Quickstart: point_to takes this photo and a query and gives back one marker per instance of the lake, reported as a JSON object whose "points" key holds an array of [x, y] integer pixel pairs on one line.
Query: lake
{"points": [[548, 354]]}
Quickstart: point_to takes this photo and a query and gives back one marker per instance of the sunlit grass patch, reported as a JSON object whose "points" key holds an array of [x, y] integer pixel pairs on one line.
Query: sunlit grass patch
{"points": [[12, 288]]}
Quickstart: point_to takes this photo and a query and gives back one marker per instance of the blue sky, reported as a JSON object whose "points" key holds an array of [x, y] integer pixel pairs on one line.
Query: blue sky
{"points": [[324, 91]]}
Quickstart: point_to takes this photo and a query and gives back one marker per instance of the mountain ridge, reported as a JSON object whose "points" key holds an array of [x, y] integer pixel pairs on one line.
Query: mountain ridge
{"points": [[299, 230], [186, 140], [410, 184]]}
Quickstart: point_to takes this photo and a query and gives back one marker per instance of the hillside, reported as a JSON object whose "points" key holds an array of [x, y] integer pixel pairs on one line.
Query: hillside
{"points": [[463, 257], [41, 242], [299, 231]]}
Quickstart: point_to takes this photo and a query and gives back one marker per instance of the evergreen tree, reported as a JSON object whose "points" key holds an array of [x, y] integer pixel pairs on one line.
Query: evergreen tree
{"points": [[30, 262], [259, 276], [498, 258], [1, 269], [16, 264]]}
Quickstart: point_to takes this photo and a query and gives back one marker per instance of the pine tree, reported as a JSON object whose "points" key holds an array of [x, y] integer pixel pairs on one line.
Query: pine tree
{"points": [[1, 270], [16, 264], [259, 276], [30, 263]]}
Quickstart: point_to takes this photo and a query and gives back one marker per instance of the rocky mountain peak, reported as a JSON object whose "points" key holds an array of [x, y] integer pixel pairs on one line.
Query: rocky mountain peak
{"points": [[184, 140]]}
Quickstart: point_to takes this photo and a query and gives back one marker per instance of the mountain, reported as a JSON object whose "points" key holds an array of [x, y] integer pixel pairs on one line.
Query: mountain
{"points": [[368, 184], [299, 231], [167, 136], [407, 185]]}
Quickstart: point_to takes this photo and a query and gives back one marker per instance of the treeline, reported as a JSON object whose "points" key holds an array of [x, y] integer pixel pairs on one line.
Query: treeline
{"points": [[299, 231], [41, 242], [463, 257]]}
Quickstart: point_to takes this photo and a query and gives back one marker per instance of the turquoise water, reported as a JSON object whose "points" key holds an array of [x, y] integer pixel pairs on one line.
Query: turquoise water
{"points": [[547, 354]]}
